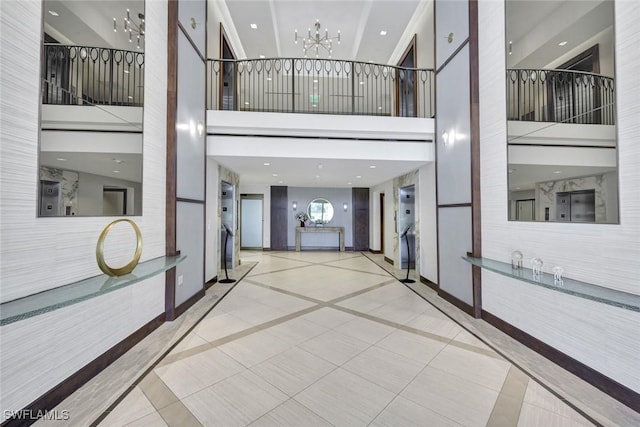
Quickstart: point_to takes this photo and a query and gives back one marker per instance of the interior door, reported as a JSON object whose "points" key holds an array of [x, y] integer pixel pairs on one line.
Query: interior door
{"points": [[525, 210], [251, 220]]}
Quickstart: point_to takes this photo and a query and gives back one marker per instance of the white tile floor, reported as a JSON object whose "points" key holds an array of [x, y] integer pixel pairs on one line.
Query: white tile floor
{"points": [[321, 339]]}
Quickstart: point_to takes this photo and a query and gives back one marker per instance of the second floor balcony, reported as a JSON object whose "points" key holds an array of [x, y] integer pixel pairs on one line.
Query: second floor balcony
{"points": [[319, 86]]}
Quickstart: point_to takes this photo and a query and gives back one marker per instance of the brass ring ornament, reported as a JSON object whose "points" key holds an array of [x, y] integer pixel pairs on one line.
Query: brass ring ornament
{"points": [[100, 250]]}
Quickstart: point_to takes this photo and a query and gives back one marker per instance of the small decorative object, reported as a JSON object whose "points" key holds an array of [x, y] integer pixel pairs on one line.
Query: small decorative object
{"points": [[516, 259], [100, 250], [302, 217], [557, 275], [536, 267]]}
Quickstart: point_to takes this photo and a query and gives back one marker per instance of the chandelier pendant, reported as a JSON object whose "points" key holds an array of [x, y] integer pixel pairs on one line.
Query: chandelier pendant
{"points": [[132, 27], [316, 41]]}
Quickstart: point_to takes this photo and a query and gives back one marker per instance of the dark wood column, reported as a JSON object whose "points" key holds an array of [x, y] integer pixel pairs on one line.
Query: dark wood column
{"points": [[360, 206], [279, 223]]}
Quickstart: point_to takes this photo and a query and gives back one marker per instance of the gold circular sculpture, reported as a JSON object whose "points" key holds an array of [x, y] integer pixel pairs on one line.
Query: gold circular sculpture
{"points": [[100, 250]]}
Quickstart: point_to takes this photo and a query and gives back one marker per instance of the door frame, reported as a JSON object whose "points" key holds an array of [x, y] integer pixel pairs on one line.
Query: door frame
{"points": [[245, 196], [411, 50]]}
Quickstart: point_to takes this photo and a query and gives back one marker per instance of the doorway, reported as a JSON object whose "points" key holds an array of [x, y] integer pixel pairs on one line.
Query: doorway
{"points": [[406, 83], [227, 218], [406, 226], [382, 223], [227, 77], [114, 201], [525, 210], [251, 221]]}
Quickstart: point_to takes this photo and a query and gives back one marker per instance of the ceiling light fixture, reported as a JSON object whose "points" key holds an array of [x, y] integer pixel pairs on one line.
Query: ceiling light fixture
{"points": [[61, 159], [133, 28], [254, 26], [54, 13], [316, 41], [510, 47], [562, 43], [372, 167], [261, 56], [383, 33], [267, 164], [274, 175], [358, 176]]}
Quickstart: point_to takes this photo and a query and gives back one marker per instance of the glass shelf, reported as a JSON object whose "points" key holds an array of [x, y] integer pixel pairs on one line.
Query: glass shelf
{"points": [[569, 286], [73, 293]]}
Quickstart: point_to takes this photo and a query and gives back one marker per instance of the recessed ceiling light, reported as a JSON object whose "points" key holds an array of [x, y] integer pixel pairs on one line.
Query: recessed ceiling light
{"points": [[348, 183], [383, 33], [126, 71], [246, 102], [314, 106], [269, 79], [280, 182], [361, 83], [562, 43], [557, 171], [261, 56], [254, 26], [130, 97], [266, 163], [320, 165], [371, 61], [116, 171], [54, 13], [517, 188], [315, 80], [118, 161], [379, 108], [372, 167], [61, 159], [358, 176], [275, 174]]}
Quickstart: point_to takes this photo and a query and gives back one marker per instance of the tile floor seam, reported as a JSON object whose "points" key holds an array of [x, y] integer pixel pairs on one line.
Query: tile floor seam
{"points": [[288, 400]]}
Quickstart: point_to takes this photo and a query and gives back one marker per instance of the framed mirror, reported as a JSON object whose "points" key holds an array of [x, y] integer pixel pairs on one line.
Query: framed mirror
{"points": [[92, 97], [561, 111], [320, 211]]}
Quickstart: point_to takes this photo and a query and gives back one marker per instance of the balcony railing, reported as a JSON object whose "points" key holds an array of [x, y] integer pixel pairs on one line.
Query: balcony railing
{"points": [[92, 75], [301, 85], [560, 96]]}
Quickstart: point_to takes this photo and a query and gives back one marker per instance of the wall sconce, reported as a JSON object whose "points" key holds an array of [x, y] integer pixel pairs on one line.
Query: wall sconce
{"points": [[294, 205], [345, 206], [449, 137]]}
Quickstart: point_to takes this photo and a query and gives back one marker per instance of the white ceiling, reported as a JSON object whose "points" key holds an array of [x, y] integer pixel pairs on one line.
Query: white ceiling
{"points": [[127, 165], [359, 21]]}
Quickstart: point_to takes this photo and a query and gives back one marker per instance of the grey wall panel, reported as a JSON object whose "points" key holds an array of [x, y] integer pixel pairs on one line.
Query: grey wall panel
{"points": [[190, 122], [454, 240], [192, 13], [190, 242], [454, 157], [451, 17]]}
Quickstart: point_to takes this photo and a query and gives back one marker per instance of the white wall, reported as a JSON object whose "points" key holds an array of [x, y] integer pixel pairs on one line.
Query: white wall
{"points": [[218, 13], [389, 215], [41, 253], [337, 196], [605, 255], [421, 25], [428, 222]]}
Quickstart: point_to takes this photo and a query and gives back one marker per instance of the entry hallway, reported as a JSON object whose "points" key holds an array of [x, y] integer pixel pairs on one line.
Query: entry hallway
{"points": [[325, 338]]}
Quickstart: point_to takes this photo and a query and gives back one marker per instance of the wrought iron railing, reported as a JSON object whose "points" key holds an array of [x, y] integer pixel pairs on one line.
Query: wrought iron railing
{"points": [[93, 75], [301, 85], [561, 96]]}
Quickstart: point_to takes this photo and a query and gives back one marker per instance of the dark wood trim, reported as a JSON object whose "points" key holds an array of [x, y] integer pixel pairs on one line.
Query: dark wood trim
{"points": [[590, 375], [453, 55], [455, 301], [57, 394], [320, 138], [188, 303], [185, 200], [224, 39], [91, 130], [456, 205], [211, 282], [389, 260], [593, 51], [191, 42], [373, 251], [476, 225], [429, 283], [172, 107], [382, 203]]}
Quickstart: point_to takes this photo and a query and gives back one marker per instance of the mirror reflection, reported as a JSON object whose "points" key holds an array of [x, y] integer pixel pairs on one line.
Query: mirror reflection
{"points": [[561, 115], [92, 75], [320, 211]]}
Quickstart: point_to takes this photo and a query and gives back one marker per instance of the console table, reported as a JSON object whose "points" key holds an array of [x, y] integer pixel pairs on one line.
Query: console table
{"points": [[339, 230]]}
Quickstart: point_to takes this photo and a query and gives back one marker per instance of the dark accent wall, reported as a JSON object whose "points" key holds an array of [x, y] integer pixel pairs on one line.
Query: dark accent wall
{"points": [[360, 206], [279, 202]]}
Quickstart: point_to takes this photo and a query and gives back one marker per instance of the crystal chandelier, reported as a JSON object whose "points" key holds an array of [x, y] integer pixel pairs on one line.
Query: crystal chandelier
{"points": [[316, 41], [132, 27]]}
